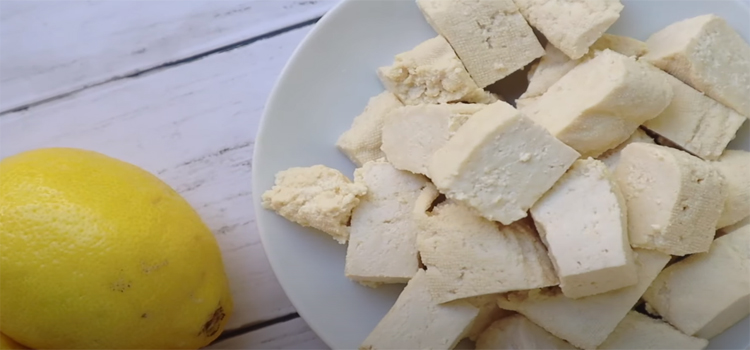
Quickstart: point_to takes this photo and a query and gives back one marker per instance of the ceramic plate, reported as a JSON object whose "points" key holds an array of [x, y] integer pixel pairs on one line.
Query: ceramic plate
{"points": [[323, 87]]}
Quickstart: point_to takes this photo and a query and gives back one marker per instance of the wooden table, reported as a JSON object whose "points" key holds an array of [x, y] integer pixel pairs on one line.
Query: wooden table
{"points": [[176, 88]]}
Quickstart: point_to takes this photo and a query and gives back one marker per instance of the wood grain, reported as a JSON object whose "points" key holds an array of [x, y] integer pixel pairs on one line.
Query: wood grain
{"points": [[293, 334], [50, 48], [193, 125]]}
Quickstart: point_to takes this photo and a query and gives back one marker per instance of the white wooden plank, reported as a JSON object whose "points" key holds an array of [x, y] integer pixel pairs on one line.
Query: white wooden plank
{"points": [[193, 125], [49, 48], [294, 334]]}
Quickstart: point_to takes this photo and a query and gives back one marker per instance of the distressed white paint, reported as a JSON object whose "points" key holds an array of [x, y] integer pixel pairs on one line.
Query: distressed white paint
{"points": [[294, 334], [48, 48]]}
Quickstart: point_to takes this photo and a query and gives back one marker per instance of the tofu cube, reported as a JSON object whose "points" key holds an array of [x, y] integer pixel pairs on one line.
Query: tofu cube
{"points": [[706, 293], [599, 103], [517, 332], [490, 36], [707, 54], [588, 321], [417, 321], [695, 122], [489, 312], [412, 134], [674, 199], [572, 26], [638, 331], [430, 73], [500, 163], [735, 166], [383, 233], [317, 197], [361, 143], [583, 222], [612, 157], [468, 256]]}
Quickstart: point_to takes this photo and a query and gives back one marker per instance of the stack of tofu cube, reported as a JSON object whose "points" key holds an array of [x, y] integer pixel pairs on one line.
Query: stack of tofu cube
{"points": [[550, 224]]}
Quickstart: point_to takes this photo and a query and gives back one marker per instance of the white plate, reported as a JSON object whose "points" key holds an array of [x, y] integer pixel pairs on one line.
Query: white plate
{"points": [[326, 83]]}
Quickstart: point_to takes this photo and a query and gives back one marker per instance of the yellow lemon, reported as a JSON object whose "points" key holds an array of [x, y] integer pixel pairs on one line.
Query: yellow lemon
{"points": [[97, 253], [9, 344]]}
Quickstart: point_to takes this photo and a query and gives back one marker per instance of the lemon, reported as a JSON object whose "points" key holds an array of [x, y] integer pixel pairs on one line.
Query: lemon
{"points": [[97, 253], [9, 344]]}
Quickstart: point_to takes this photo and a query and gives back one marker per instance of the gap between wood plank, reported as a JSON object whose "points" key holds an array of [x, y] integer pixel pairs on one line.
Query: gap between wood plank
{"points": [[254, 327], [174, 63]]}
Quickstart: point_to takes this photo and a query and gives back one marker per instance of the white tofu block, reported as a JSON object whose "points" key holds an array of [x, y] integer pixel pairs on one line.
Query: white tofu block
{"points": [[317, 197], [674, 199], [583, 222], [383, 233], [735, 166], [695, 122], [412, 134], [706, 293], [517, 332], [612, 157], [430, 73], [638, 331], [600, 102], [361, 143], [490, 36], [416, 321], [467, 255], [572, 26], [707, 54], [585, 322], [489, 312], [500, 163]]}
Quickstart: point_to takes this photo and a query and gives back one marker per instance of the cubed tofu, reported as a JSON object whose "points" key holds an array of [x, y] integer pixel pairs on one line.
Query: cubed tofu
{"points": [[412, 134], [467, 255], [383, 233], [489, 312], [735, 166], [612, 157], [704, 294], [583, 222], [707, 54], [491, 37], [317, 197], [638, 331], [517, 332], [500, 163], [674, 199], [695, 122], [417, 321], [361, 143], [572, 26], [585, 322], [428, 74], [599, 103]]}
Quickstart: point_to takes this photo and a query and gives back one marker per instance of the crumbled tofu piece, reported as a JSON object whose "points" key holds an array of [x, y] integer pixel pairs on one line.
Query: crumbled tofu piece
{"points": [[361, 143], [707, 54], [572, 26], [417, 321], [517, 332], [491, 37], [467, 255], [500, 163], [600, 102], [489, 312], [638, 331], [317, 197], [428, 74], [585, 322], [583, 222], [383, 239], [412, 134], [695, 122], [612, 157], [704, 294], [735, 166], [674, 199], [621, 44]]}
